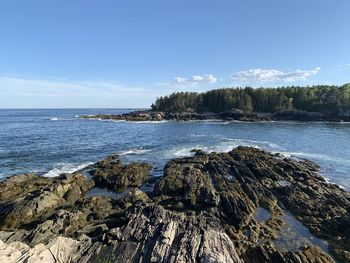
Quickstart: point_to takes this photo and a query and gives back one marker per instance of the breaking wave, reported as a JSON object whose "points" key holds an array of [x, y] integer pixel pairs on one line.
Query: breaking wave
{"points": [[315, 156], [134, 151], [65, 168], [223, 146]]}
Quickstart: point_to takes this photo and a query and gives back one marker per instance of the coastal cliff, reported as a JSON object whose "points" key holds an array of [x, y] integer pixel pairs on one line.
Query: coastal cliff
{"points": [[246, 205]]}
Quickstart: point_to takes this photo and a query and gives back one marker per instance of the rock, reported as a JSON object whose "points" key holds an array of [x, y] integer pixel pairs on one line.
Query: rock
{"points": [[313, 255], [204, 209], [111, 173], [204, 182], [59, 250], [198, 152], [217, 247], [179, 116], [236, 114], [22, 206], [300, 115]]}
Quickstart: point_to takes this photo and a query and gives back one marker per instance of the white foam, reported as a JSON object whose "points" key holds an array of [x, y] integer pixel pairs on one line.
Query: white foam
{"points": [[329, 181], [149, 122], [60, 119], [199, 135], [315, 156], [66, 168], [134, 151], [224, 146], [263, 144], [217, 122], [184, 152], [106, 120], [224, 122]]}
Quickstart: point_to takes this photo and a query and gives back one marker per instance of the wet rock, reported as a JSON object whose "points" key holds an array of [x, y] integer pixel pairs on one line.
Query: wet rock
{"points": [[198, 152], [111, 173], [38, 198], [206, 208]]}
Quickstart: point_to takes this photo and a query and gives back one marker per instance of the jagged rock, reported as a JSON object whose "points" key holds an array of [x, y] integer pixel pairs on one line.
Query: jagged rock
{"points": [[58, 250], [38, 201], [205, 182], [111, 173], [204, 209], [313, 255], [217, 247]]}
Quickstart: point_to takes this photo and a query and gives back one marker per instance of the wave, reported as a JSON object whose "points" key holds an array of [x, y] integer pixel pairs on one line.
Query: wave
{"points": [[263, 144], [149, 122], [330, 181], [134, 151], [216, 122], [66, 168], [105, 120], [224, 122], [315, 156], [125, 121], [224, 146], [199, 135], [61, 119]]}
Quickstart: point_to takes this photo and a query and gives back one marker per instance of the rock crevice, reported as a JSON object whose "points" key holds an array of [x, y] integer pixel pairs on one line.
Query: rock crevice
{"points": [[204, 209]]}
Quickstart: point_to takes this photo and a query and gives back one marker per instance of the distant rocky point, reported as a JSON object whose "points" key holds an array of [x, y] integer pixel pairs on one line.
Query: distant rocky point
{"points": [[246, 205], [179, 116], [238, 115]]}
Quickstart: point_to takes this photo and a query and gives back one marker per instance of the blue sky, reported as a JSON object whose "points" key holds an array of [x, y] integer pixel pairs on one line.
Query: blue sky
{"points": [[114, 53]]}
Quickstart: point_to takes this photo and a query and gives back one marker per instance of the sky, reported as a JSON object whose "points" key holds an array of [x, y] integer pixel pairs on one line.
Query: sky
{"points": [[125, 53]]}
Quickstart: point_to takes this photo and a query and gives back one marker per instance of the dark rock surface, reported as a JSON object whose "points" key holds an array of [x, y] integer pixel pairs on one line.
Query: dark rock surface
{"points": [[112, 174], [27, 198], [204, 209], [299, 115], [180, 116], [238, 115]]}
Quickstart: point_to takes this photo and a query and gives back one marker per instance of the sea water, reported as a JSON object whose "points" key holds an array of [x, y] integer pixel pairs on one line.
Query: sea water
{"points": [[53, 141]]}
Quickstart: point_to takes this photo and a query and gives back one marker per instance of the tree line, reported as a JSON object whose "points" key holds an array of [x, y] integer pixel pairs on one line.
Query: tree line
{"points": [[322, 98]]}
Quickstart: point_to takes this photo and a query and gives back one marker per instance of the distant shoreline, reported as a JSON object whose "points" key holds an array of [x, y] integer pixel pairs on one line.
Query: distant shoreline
{"points": [[84, 108], [284, 115]]}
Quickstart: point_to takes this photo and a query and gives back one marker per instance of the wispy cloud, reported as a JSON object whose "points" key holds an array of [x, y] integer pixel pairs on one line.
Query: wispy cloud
{"points": [[272, 75], [63, 88], [196, 79], [32, 92]]}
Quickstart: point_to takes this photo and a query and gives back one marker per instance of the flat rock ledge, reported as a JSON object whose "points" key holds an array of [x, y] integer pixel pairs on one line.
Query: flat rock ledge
{"points": [[217, 207]]}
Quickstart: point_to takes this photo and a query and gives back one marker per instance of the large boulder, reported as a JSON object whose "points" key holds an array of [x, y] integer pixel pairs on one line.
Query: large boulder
{"points": [[111, 173], [25, 199]]}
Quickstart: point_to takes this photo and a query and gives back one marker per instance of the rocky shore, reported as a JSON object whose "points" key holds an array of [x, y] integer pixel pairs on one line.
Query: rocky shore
{"points": [[180, 116], [246, 205], [284, 115]]}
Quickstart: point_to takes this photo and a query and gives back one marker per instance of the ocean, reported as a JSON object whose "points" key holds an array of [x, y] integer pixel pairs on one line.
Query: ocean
{"points": [[53, 141]]}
